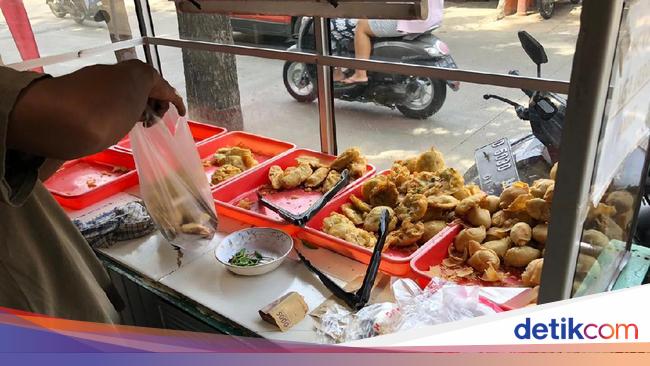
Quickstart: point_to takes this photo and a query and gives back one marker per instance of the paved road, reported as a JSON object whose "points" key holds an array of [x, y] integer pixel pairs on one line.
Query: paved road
{"points": [[466, 121]]}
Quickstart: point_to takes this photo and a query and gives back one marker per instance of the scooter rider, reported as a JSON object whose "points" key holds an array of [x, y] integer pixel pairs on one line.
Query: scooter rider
{"points": [[366, 29]]}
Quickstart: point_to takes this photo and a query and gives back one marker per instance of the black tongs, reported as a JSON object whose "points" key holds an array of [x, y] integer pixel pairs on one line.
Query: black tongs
{"points": [[302, 219], [360, 298]]}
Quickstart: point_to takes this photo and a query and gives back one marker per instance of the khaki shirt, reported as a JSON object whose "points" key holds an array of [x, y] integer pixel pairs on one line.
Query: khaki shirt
{"points": [[46, 266]]}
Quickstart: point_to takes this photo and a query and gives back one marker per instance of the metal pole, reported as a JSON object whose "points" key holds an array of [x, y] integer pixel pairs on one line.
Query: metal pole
{"points": [[145, 23], [590, 76], [325, 89]]}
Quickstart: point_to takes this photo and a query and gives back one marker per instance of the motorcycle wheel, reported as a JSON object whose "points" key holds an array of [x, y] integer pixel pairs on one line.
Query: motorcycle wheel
{"points": [[59, 13], [299, 82], [432, 96], [546, 8]]}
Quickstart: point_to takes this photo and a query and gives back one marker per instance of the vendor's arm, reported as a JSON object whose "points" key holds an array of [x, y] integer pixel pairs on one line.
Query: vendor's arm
{"points": [[86, 111]]}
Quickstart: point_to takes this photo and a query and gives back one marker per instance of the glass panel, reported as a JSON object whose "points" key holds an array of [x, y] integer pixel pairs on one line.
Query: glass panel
{"points": [[244, 93], [32, 29], [268, 31], [621, 160]]}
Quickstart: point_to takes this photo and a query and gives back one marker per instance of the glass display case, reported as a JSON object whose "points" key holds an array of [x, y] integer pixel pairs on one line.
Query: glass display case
{"points": [[277, 74]]}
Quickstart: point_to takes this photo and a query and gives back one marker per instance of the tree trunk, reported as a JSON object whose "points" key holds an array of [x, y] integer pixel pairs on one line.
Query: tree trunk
{"points": [[210, 78]]}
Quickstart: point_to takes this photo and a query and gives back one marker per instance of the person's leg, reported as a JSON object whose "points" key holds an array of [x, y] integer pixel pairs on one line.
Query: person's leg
{"points": [[362, 49]]}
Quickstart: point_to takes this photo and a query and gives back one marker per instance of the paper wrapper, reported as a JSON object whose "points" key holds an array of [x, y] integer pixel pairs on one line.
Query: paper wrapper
{"points": [[286, 311]]}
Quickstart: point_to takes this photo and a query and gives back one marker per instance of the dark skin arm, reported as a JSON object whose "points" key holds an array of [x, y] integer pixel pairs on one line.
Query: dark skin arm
{"points": [[86, 111]]}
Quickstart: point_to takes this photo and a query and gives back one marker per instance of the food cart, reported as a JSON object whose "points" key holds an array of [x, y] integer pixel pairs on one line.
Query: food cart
{"points": [[168, 287]]}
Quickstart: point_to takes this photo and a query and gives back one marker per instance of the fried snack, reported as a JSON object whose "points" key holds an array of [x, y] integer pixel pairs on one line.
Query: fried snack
{"points": [[380, 191], [609, 227], [431, 229], [234, 155], [196, 229], [408, 234], [224, 172], [463, 238], [520, 256], [317, 177], [496, 233], [595, 237], [519, 203], [435, 213], [585, 263], [600, 211], [359, 205], [540, 233], [371, 222], [295, 176], [352, 214], [345, 158], [245, 203], [469, 203], [482, 258], [452, 182], [412, 208], [430, 161], [540, 186], [521, 233], [443, 201], [275, 176], [492, 203], [409, 163], [312, 161], [91, 182], [499, 218], [511, 193], [539, 209], [553, 171], [341, 227], [426, 183], [332, 178], [532, 276], [399, 175], [548, 196], [499, 246], [236, 161], [358, 169], [623, 201], [479, 217]]}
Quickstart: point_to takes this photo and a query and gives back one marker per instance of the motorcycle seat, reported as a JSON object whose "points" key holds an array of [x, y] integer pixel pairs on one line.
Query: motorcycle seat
{"points": [[407, 36]]}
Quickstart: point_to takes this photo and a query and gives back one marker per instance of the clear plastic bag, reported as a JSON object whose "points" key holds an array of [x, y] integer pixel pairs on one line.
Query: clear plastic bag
{"points": [[173, 185], [440, 302]]}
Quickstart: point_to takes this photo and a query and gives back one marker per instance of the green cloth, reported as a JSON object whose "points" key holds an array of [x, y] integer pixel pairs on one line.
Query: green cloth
{"points": [[46, 266]]}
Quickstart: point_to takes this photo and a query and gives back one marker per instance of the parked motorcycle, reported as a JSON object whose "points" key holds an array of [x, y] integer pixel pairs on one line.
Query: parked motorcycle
{"points": [[547, 7], [415, 97], [530, 157], [77, 9]]}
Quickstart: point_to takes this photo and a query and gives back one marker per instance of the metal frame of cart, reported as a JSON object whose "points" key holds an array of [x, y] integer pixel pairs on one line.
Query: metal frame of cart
{"points": [[587, 90]]}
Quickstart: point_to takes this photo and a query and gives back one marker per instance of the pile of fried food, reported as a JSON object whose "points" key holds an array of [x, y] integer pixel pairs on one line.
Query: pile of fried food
{"points": [[311, 174], [420, 195], [230, 161]]}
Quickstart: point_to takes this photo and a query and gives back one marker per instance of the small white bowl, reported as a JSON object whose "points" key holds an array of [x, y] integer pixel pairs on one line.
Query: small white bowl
{"points": [[268, 242]]}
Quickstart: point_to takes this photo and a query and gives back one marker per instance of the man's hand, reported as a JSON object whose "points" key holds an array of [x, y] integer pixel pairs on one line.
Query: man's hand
{"points": [[86, 111]]}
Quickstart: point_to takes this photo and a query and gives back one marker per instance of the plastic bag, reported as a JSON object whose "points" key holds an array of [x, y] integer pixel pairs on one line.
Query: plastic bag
{"points": [[440, 302], [173, 185]]}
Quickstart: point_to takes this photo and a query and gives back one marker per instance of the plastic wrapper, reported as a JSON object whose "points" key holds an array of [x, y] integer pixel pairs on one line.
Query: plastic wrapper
{"points": [[173, 184], [440, 302]]}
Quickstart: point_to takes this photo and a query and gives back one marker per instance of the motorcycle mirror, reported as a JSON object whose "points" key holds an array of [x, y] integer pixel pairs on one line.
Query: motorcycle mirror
{"points": [[533, 49]]}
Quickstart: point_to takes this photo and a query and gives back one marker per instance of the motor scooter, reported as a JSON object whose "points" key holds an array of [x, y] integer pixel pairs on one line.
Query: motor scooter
{"points": [[415, 97], [79, 10], [530, 157]]}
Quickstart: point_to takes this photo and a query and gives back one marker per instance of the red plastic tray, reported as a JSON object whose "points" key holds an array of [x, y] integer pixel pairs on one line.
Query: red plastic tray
{"points": [[263, 149], [200, 131], [245, 186], [394, 261], [69, 185], [435, 254]]}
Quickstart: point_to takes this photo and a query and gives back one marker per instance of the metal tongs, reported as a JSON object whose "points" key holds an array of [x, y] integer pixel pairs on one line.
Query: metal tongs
{"points": [[359, 299], [302, 219]]}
